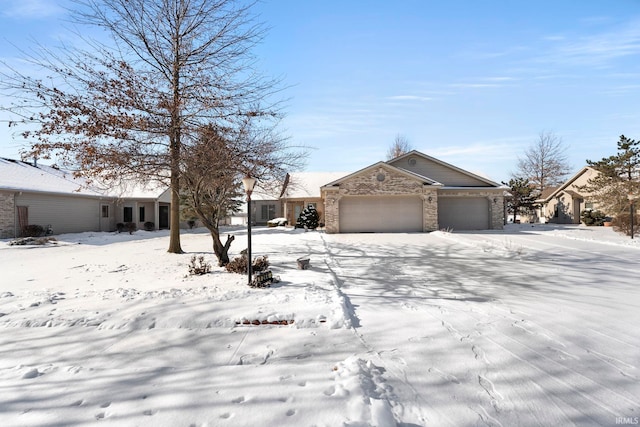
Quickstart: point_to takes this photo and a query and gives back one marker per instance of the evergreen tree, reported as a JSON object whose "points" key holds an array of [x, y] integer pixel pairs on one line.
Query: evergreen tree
{"points": [[309, 218], [619, 177], [522, 197]]}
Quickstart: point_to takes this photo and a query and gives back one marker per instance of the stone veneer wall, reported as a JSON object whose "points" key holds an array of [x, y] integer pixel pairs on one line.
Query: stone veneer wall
{"points": [[393, 183], [379, 182], [7, 215]]}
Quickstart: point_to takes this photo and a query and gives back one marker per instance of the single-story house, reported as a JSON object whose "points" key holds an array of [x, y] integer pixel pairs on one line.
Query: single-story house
{"points": [[265, 203], [301, 189], [32, 194], [565, 203], [412, 193]]}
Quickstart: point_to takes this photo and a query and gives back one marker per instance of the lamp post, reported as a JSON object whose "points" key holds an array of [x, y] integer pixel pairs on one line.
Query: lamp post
{"points": [[248, 184], [630, 197]]}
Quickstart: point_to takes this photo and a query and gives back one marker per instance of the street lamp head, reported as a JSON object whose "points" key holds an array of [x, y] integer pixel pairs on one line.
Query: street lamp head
{"points": [[630, 197], [248, 184]]}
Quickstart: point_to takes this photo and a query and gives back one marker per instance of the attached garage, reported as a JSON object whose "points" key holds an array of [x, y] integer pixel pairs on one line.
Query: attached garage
{"points": [[412, 193], [464, 213], [381, 214]]}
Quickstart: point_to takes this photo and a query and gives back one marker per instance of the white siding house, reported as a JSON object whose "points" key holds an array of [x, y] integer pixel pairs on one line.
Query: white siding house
{"points": [[38, 194]]}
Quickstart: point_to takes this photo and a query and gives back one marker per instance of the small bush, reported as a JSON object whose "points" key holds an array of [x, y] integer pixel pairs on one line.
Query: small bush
{"points": [[33, 230], [239, 264], [120, 227], [149, 226], [622, 224], [131, 227], [591, 217], [309, 218], [191, 223], [260, 263], [200, 268]]}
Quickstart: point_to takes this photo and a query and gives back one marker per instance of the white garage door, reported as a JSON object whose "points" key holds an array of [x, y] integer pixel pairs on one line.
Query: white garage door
{"points": [[463, 213], [390, 214]]}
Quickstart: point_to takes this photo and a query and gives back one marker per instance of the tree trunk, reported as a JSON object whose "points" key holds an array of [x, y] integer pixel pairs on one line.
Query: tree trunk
{"points": [[174, 223], [221, 251]]}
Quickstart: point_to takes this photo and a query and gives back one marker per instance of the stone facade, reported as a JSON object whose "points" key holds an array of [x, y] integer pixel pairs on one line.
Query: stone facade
{"points": [[380, 181], [7, 215]]}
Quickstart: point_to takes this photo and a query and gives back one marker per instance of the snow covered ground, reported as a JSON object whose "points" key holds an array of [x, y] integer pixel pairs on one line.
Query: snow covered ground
{"points": [[533, 325]]}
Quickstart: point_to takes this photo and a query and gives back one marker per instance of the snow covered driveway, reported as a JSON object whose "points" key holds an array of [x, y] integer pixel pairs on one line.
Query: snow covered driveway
{"points": [[528, 326]]}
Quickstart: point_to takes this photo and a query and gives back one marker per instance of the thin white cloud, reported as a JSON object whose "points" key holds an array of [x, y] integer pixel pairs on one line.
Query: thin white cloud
{"points": [[473, 85], [409, 98], [484, 82], [30, 8], [597, 49]]}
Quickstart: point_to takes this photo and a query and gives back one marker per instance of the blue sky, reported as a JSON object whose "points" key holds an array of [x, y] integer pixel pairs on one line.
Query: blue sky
{"points": [[471, 83]]}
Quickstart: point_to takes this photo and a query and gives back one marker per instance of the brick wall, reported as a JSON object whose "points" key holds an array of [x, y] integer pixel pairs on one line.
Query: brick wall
{"points": [[7, 215]]}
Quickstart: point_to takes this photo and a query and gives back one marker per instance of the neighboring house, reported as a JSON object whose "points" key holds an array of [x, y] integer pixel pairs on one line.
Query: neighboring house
{"points": [[412, 193], [302, 189], [46, 196], [564, 204], [265, 203]]}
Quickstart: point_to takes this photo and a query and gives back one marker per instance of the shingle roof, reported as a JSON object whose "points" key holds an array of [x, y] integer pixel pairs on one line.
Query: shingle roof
{"points": [[22, 176], [16, 175], [307, 184]]}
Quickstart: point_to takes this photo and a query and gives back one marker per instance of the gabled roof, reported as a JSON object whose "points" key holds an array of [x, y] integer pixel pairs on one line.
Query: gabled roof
{"points": [[301, 185], [17, 175], [386, 165], [561, 188], [445, 164]]}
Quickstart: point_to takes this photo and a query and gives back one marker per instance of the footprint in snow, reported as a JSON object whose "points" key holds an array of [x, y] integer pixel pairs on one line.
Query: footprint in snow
{"points": [[480, 354], [255, 359], [444, 375], [31, 373]]}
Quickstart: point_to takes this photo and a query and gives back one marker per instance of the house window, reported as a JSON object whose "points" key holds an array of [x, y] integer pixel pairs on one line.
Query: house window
{"points": [[268, 211], [141, 214], [128, 214], [105, 211]]}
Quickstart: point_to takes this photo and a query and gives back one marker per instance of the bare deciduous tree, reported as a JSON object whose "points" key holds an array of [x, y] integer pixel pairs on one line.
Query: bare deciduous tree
{"points": [[399, 147], [544, 162], [131, 107], [213, 167]]}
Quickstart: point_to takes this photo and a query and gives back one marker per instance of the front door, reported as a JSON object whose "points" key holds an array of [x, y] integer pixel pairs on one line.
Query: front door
{"points": [[163, 213]]}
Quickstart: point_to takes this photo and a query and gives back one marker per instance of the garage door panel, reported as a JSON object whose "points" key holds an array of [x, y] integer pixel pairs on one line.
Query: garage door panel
{"points": [[463, 213], [380, 214]]}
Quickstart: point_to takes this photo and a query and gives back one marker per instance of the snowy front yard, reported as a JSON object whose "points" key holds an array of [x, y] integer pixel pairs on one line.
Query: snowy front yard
{"points": [[526, 326]]}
